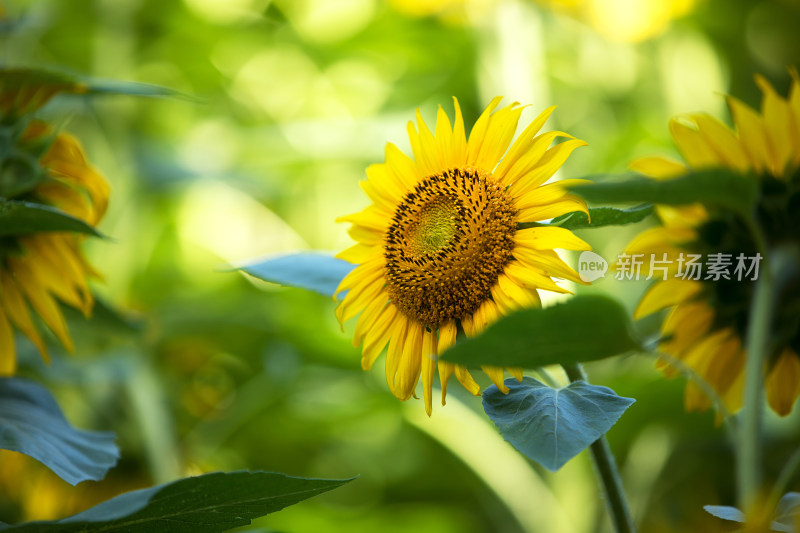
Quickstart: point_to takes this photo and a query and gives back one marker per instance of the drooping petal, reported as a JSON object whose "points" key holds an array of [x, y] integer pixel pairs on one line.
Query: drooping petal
{"points": [[783, 382]]}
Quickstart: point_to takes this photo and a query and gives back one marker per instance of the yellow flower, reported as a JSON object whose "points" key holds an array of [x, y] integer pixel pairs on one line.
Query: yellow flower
{"points": [[440, 248], [40, 269], [706, 324]]}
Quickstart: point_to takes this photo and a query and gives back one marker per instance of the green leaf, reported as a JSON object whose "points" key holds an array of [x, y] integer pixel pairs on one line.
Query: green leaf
{"points": [[208, 503], [312, 271], [22, 218], [603, 216], [31, 423], [551, 426], [785, 521], [17, 79], [718, 188], [726, 512], [584, 328]]}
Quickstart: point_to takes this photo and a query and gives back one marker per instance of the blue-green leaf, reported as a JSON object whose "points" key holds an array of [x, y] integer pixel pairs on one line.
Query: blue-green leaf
{"points": [[584, 328], [209, 503], [726, 512], [21, 218], [783, 524], [312, 271], [788, 511], [551, 426], [32, 423]]}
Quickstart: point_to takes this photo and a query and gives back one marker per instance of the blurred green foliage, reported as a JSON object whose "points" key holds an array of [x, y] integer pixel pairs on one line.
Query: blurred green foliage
{"points": [[201, 369]]}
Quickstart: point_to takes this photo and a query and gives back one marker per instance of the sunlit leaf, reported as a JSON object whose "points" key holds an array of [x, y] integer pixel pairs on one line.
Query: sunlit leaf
{"points": [[603, 216], [584, 328], [21, 218], [719, 188], [306, 270], [208, 503], [551, 426], [32, 423]]}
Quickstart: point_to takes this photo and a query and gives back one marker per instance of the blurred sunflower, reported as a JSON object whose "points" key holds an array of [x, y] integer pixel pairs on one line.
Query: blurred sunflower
{"points": [[707, 322], [440, 248], [39, 269]]}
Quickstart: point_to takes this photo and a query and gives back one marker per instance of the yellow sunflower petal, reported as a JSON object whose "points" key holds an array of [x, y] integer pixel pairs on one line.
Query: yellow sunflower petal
{"points": [[41, 301], [497, 376], [8, 357], [685, 325], [424, 147], [408, 370], [658, 167], [754, 136], [14, 306], [568, 204], [371, 218], [359, 253], [459, 146], [467, 381], [523, 143], [517, 174], [444, 140], [665, 294], [478, 134], [398, 340], [385, 182], [550, 162], [692, 145], [428, 368], [550, 238], [376, 338], [502, 126], [447, 337], [368, 318], [722, 141], [778, 121], [783, 382]]}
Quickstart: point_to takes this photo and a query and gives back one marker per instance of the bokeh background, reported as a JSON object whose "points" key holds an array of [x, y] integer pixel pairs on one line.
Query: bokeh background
{"points": [[198, 368]]}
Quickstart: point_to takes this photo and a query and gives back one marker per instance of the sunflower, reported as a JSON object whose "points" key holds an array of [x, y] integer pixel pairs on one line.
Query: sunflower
{"points": [[707, 320], [441, 249], [40, 269]]}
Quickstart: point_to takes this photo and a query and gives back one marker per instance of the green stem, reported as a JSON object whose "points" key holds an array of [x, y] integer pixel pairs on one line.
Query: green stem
{"points": [[776, 270], [748, 459], [607, 470]]}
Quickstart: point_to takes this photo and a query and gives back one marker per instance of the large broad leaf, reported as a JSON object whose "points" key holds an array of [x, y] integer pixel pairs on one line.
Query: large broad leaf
{"points": [[584, 328], [719, 188], [21, 218], [551, 426], [32, 423], [603, 216], [209, 503], [307, 270]]}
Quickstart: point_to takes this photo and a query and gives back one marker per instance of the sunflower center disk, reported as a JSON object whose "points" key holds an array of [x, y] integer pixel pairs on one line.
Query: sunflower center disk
{"points": [[448, 242]]}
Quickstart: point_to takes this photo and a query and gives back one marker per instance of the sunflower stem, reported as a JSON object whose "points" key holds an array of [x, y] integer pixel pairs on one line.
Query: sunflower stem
{"points": [[777, 268], [749, 456], [606, 467]]}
